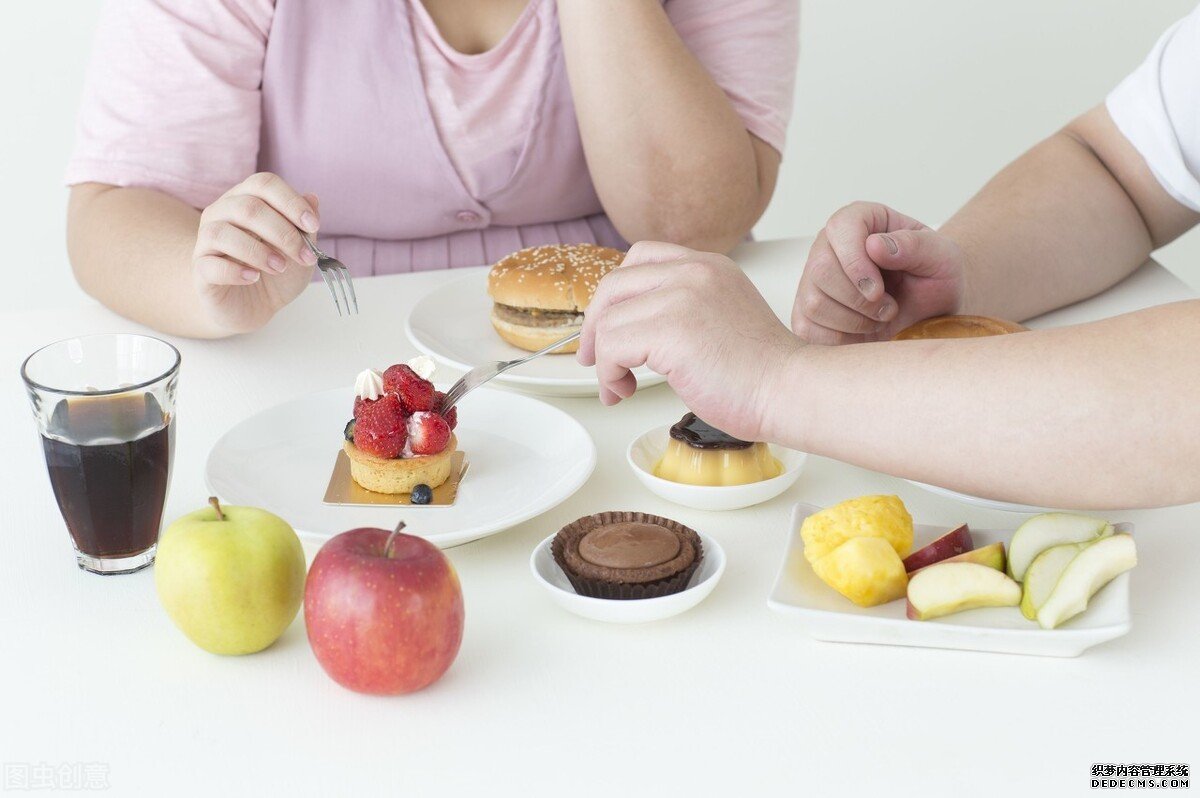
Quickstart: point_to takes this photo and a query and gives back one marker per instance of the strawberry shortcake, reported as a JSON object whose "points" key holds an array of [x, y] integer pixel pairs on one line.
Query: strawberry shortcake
{"points": [[400, 438]]}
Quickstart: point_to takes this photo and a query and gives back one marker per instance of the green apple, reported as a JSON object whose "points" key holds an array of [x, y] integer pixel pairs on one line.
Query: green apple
{"points": [[1091, 569], [1042, 575], [948, 587], [231, 578], [1050, 529]]}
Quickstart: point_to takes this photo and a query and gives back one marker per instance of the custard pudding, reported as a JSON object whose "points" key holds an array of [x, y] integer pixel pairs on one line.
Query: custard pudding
{"points": [[700, 454]]}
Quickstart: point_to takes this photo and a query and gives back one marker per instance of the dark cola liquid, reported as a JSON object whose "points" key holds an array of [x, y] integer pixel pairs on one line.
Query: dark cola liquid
{"points": [[110, 463]]}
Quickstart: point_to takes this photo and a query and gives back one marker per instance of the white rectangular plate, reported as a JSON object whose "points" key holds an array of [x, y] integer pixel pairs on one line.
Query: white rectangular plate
{"points": [[827, 615]]}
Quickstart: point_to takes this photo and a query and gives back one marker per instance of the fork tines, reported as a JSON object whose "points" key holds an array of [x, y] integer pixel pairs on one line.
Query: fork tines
{"points": [[334, 273]]}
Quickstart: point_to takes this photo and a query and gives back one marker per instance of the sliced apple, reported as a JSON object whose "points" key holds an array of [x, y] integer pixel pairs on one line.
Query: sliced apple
{"points": [[948, 587], [954, 542], [991, 555], [1091, 569], [1050, 529], [1043, 574]]}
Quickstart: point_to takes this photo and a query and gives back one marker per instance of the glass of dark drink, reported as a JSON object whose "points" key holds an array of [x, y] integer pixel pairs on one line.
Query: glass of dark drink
{"points": [[105, 406]]}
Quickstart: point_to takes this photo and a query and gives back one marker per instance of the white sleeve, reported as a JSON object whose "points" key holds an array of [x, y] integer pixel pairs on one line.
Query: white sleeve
{"points": [[1158, 109]]}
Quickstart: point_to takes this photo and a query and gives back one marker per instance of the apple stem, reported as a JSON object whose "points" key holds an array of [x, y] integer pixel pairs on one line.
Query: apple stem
{"points": [[216, 506], [387, 547]]}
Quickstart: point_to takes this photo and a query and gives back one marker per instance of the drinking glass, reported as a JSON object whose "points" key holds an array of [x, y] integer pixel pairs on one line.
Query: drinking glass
{"points": [[105, 408]]}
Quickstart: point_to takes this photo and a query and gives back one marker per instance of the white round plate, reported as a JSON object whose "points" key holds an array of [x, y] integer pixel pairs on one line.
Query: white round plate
{"points": [[647, 449], [987, 504], [452, 324], [547, 573], [523, 457]]}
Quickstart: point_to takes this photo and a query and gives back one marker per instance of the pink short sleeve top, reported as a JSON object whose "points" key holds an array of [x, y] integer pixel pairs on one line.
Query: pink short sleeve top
{"points": [[423, 157]]}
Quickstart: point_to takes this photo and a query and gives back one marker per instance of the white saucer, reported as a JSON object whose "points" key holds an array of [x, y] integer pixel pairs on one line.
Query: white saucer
{"points": [[647, 449], [451, 324], [524, 457], [827, 615], [987, 504], [547, 573]]}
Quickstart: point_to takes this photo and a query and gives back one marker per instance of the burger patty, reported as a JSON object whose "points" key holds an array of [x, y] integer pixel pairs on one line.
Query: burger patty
{"points": [[536, 317]]}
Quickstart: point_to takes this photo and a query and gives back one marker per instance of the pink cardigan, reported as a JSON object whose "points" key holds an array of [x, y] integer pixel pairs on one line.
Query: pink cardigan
{"points": [[422, 159]]}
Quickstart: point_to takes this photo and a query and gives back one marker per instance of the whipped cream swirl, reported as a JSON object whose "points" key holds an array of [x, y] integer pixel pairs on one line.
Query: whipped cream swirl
{"points": [[424, 366], [369, 385]]}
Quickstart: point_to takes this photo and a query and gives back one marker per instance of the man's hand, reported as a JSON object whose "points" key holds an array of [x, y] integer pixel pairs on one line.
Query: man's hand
{"points": [[872, 272], [695, 318]]}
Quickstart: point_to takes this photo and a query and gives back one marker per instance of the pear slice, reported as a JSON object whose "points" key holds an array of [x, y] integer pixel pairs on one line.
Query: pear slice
{"points": [[1042, 575], [948, 587], [1050, 529], [1091, 569]]}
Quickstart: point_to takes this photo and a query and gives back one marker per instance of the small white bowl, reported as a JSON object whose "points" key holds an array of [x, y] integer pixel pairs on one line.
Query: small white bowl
{"points": [[547, 573], [647, 449]]}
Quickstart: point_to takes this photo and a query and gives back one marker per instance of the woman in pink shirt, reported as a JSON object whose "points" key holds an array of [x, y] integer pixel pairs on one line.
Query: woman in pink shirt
{"points": [[436, 133]]}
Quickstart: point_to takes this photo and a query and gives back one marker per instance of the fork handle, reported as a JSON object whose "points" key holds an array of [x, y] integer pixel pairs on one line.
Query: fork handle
{"points": [[451, 399], [560, 342], [312, 246]]}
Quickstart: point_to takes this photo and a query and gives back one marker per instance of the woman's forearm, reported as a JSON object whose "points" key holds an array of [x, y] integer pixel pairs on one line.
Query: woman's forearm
{"points": [[1101, 415], [1071, 217], [670, 158], [131, 249]]}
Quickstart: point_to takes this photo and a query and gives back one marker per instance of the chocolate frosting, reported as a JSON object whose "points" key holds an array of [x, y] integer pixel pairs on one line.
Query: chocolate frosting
{"points": [[627, 577], [700, 434], [629, 545]]}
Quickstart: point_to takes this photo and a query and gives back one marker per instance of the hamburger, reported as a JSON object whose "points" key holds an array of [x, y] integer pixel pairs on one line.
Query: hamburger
{"points": [[958, 327], [541, 293]]}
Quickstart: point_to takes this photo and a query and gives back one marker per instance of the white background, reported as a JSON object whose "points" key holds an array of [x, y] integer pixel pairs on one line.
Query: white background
{"points": [[911, 102]]}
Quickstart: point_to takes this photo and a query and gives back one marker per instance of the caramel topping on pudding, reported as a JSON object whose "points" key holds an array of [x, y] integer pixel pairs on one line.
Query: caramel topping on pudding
{"points": [[701, 435], [629, 545], [700, 454]]}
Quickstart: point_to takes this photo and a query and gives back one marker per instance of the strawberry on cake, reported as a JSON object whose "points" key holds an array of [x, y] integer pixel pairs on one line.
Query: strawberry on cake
{"points": [[399, 437]]}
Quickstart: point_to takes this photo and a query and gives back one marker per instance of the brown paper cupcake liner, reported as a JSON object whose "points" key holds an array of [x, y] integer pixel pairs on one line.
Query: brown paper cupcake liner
{"points": [[624, 591]]}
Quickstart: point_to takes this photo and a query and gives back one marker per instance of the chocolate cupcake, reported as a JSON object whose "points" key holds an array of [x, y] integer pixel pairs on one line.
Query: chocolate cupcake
{"points": [[624, 555]]}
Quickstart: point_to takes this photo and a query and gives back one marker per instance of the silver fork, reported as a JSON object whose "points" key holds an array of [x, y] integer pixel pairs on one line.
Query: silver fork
{"points": [[481, 374], [335, 274]]}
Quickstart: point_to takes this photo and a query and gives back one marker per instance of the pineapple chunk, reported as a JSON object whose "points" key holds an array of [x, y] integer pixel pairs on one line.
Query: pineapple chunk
{"points": [[866, 570], [871, 516]]}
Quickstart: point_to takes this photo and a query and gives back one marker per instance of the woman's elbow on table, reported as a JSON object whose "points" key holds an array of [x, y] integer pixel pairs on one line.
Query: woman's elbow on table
{"points": [[694, 233], [712, 212], [705, 223]]}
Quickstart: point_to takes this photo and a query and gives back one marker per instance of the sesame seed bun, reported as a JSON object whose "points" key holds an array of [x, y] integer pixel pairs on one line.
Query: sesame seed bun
{"points": [[958, 327], [557, 277], [532, 339], [540, 293]]}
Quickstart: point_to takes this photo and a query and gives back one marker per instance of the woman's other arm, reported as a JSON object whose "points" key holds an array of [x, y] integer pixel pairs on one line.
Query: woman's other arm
{"points": [[670, 157]]}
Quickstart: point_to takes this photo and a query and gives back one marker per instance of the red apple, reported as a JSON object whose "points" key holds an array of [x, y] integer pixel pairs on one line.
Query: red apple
{"points": [[956, 541], [384, 611]]}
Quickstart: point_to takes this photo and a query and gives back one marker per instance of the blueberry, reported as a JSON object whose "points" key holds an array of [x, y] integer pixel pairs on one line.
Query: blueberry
{"points": [[348, 432], [422, 494]]}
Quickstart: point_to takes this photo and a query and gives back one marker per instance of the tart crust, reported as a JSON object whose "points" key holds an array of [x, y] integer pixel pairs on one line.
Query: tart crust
{"points": [[402, 474]]}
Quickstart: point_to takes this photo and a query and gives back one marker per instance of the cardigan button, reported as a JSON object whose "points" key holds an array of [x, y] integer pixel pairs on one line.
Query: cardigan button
{"points": [[467, 217]]}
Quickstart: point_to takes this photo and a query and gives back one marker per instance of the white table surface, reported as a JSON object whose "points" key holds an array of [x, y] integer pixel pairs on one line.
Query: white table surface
{"points": [[729, 698]]}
